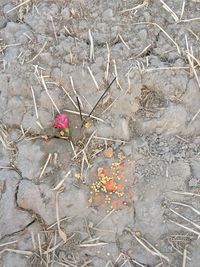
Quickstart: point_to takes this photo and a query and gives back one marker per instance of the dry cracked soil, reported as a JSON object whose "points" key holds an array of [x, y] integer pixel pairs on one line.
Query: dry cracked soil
{"points": [[124, 189]]}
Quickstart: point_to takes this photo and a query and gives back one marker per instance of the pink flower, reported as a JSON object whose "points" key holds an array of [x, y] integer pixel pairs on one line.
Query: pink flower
{"points": [[61, 121]]}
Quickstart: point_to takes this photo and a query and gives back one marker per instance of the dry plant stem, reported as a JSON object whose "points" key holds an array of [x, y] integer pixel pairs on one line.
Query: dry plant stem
{"points": [[101, 97], [37, 55], [190, 57], [21, 4], [184, 218], [141, 53], [184, 257], [136, 262], [61, 220], [186, 228], [53, 253], [158, 26], [91, 46], [40, 247], [72, 146], [186, 205], [72, 84], [167, 68], [70, 97], [123, 42], [21, 252], [58, 186], [145, 3], [182, 9], [186, 193], [93, 245], [34, 101], [93, 78], [152, 249], [33, 241], [84, 114], [79, 107], [108, 63], [116, 74], [62, 234], [110, 139], [8, 243], [54, 29], [171, 12], [110, 105], [45, 87], [45, 165], [106, 217]]}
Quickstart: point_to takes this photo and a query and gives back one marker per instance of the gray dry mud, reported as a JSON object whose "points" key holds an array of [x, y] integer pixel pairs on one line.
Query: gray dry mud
{"points": [[76, 48]]}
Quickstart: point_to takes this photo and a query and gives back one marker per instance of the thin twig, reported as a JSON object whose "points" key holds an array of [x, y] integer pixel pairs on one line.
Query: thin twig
{"points": [[185, 227], [101, 97], [79, 107], [91, 46], [58, 186], [37, 55], [45, 165], [84, 114], [93, 78], [62, 234], [54, 29], [69, 97], [186, 205], [45, 87], [186, 193], [152, 249], [21, 4], [34, 101], [108, 62]]}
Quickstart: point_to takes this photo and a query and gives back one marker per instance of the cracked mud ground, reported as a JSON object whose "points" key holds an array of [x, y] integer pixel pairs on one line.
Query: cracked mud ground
{"points": [[124, 191]]}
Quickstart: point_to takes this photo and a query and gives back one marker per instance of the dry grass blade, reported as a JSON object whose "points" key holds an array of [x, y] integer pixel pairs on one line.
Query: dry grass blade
{"points": [[108, 62], [4, 138], [21, 4], [84, 114], [45, 165], [62, 234], [93, 78], [116, 75], [17, 251], [93, 245], [184, 218], [171, 12], [91, 46], [184, 257], [106, 217], [150, 248], [145, 3], [186, 228], [54, 29], [186, 193], [37, 55], [34, 102], [8, 243], [45, 87], [110, 139], [70, 98], [142, 52], [58, 186], [120, 37], [186, 205], [158, 26]]}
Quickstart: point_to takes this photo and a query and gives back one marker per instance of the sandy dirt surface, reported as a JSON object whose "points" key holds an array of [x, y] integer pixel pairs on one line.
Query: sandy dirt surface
{"points": [[124, 190]]}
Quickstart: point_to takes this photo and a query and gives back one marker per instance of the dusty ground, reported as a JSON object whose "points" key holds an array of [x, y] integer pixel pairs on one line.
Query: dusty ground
{"points": [[57, 202]]}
